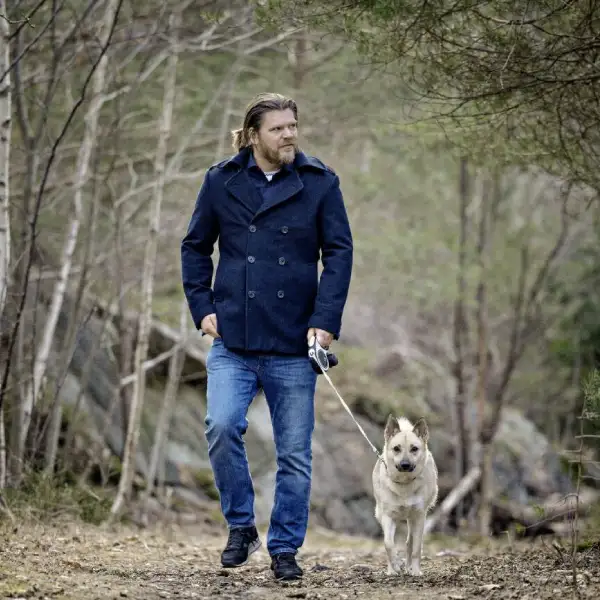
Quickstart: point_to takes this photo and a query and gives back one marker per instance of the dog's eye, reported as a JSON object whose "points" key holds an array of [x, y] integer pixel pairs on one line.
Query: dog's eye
{"points": [[397, 448], [414, 449]]}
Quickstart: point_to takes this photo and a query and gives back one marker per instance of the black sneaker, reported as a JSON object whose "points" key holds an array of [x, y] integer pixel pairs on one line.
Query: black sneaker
{"points": [[242, 542], [285, 567]]}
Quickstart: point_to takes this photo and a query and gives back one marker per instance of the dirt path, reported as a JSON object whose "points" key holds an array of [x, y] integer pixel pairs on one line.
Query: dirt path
{"points": [[85, 563]]}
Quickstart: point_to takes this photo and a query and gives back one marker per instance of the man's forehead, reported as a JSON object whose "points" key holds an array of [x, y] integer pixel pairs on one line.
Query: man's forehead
{"points": [[279, 118]]}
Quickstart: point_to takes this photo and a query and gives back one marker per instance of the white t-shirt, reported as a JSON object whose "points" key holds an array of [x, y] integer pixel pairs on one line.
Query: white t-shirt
{"points": [[269, 174]]}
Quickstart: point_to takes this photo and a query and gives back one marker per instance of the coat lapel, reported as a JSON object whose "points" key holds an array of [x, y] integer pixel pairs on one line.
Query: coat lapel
{"points": [[290, 186], [242, 188]]}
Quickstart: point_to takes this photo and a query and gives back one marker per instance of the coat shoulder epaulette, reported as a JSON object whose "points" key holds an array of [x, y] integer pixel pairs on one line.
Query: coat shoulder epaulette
{"points": [[219, 164], [317, 162]]}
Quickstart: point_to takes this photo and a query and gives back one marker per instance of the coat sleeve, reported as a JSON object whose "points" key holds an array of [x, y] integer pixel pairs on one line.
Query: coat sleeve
{"points": [[336, 256], [196, 255]]}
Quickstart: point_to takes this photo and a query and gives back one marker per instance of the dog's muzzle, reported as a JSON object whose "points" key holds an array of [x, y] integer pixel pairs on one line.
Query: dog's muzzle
{"points": [[405, 467]]}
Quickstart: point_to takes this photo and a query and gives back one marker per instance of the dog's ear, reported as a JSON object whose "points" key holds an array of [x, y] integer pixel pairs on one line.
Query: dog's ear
{"points": [[420, 428], [391, 427]]}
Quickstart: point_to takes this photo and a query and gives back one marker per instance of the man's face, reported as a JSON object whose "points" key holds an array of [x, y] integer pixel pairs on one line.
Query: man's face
{"points": [[277, 138]]}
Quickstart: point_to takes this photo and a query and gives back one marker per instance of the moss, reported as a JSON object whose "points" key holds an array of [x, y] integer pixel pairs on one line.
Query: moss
{"points": [[10, 588], [204, 479]]}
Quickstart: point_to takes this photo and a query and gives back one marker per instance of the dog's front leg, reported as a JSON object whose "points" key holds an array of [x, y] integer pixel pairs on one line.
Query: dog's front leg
{"points": [[414, 544], [389, 541], [409, 540]]}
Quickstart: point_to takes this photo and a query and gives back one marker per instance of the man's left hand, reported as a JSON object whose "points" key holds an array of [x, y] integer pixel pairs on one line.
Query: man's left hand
{"points": [[323, 337]]}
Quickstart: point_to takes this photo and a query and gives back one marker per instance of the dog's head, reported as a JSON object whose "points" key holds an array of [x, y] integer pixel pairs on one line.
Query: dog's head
{"points": [[405, 447]]}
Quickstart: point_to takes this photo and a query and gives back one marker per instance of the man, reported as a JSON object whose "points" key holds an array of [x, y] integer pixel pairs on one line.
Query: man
{"points": [[275, 211]]}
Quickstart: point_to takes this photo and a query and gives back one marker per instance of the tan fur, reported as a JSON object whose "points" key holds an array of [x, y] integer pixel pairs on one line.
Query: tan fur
{"points": [[405, 495]]}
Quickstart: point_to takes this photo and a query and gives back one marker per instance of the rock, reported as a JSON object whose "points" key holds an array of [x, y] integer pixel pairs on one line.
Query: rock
{"points": [[526, 468]]}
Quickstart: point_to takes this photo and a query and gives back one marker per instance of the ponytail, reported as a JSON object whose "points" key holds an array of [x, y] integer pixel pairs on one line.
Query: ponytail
{"points": [[239, 139]]}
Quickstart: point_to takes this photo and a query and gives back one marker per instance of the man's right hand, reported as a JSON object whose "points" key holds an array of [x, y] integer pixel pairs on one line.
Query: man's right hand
{"points": [[209, 325]]}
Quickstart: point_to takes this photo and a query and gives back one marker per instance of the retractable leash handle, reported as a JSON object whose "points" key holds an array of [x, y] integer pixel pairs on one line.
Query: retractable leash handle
{"points": [[321, 360]]}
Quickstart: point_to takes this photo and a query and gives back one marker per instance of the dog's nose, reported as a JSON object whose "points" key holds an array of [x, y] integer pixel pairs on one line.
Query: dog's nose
{"points": [[405, 466]]}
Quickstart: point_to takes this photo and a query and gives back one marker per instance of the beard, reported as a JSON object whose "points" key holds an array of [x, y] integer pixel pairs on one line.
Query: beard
{"points": [[281, 156]]}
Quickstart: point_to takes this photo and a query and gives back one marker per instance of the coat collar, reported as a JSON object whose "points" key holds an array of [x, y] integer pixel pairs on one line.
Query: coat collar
{"points": [[241, 186]]}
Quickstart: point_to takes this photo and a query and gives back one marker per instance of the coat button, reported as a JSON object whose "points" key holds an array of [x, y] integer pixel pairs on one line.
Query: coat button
{"points": [[252, 228], [280, 294], [281, 260], [284, 229], [251, 294], [251, 259]]}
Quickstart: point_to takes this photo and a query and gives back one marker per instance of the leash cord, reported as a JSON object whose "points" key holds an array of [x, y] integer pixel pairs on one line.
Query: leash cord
{"points": [[324, 369]]}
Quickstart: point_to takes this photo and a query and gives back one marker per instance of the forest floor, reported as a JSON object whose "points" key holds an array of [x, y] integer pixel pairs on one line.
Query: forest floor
{"points": [[75, 561]]}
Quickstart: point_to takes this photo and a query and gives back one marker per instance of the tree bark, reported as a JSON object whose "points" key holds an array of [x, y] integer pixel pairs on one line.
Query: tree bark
{"points": [[485, 509], [460, 333], [5, 241], [166, 411]]}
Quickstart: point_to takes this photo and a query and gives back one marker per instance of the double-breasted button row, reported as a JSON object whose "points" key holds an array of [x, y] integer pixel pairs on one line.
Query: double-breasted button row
{"points": [[252, 228], [281, 260], [252, 294]]}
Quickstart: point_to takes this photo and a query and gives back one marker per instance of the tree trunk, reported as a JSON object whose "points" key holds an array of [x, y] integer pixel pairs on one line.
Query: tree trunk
{"points": [[166, 411], [297, 57], [485, 505], [55, 419], [5, 138], [485, 512], [141, 350], [5, 242], [460, 333]]}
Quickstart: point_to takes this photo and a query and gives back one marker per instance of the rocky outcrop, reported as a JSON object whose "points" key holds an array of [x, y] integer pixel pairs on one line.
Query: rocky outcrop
{"points": [[526, 468]]}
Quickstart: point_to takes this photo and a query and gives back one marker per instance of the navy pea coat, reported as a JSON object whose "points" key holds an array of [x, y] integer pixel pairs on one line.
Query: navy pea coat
{"points": [[267, 291]]}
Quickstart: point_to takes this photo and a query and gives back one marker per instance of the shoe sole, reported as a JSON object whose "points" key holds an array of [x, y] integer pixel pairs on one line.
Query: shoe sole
{"points": [[252, 548], [295, 578]]}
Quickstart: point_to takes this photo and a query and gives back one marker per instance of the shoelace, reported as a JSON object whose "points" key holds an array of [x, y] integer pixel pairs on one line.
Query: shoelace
{"points": [[284, 558], [237, 537]]}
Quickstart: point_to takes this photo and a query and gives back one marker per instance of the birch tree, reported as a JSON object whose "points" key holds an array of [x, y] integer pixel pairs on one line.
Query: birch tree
{"points": [[145, 318], [166, 410], [5, 135], [111, 15]]}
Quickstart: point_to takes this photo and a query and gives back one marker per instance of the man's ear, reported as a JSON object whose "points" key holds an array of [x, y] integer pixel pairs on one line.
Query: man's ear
{"points": [[253, 136], [391, 427]]}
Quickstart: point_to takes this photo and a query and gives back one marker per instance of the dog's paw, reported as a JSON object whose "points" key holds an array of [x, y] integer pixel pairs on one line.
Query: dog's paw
{"points": [[414, 570], [396, 567]]}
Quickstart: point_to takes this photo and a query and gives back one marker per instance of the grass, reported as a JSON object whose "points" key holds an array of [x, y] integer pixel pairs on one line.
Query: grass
{"points": [[44, 498]]}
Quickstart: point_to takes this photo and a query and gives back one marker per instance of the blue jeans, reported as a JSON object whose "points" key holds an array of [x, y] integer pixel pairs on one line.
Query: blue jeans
{"points": [[288, 382]]}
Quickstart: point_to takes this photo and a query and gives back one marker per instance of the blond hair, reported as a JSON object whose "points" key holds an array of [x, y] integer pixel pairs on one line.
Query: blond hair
{"points": [[255, 110]]}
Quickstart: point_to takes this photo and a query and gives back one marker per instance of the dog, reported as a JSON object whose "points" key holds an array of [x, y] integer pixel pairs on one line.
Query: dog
{"points": [[405, 488]]}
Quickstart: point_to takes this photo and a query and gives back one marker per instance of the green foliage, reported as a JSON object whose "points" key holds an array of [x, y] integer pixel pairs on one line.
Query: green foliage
{"points": [[518, 89], [591, 394]]}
